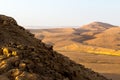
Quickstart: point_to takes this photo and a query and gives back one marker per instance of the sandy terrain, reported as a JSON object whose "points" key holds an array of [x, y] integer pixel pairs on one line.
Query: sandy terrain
{"points": [[109, 66], [96, 37]]}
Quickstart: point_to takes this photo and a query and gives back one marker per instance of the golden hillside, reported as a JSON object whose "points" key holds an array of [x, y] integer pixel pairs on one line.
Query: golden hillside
{"points": [[110, 38], [102, 37]]}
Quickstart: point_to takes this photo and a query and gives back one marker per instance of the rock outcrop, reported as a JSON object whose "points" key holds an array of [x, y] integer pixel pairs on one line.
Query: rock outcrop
{"points": [[4, 20], [23, 57]]}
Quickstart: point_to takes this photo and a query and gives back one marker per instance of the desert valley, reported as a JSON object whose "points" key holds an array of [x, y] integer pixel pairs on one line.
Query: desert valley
{"points": [[95, 45]]}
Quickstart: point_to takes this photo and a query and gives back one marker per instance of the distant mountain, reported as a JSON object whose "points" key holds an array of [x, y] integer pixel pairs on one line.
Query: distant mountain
{"points": [[97, 26]]}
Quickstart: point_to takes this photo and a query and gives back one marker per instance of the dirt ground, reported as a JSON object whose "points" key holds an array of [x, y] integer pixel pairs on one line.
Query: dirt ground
{"points": [[108, 66]]}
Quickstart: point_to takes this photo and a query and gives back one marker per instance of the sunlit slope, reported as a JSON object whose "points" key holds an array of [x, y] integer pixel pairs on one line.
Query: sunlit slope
{"points": [[108, 39], [88, 49], [96, 37]]}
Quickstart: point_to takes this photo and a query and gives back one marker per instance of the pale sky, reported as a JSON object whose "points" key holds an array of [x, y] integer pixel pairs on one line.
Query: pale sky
{"points": [[52, 13]]}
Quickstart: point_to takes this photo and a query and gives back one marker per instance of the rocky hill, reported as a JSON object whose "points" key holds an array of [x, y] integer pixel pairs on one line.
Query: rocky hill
{"points": [[23, 57]]}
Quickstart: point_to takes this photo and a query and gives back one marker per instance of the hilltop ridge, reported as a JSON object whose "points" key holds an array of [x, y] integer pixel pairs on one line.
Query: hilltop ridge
{"points": [[97, 26]]}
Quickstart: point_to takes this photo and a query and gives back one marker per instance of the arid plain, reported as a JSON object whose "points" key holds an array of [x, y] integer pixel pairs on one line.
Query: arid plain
{"points": [[95, 45]]}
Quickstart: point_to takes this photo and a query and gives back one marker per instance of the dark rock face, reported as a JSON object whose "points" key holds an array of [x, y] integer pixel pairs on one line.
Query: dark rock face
{"points": [[5, 20], [23, 57]]}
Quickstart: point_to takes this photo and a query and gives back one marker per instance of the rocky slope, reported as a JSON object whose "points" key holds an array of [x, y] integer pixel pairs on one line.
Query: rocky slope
{"points": [[23, 57]]}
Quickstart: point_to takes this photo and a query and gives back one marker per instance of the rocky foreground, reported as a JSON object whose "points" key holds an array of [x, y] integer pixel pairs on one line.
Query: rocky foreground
{"points": [[23, 57]]}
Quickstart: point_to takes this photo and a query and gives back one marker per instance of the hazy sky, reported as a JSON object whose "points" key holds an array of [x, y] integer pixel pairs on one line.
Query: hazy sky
{"points": [[61, 12]]}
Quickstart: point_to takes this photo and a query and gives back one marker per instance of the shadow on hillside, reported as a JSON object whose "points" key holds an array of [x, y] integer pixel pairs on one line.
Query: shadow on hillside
{"points": [[82, 37]]}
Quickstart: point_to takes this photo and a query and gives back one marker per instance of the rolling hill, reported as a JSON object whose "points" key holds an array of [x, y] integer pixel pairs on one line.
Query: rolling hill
{"points": [[110, 38], [102, 37], [97, 26]]}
